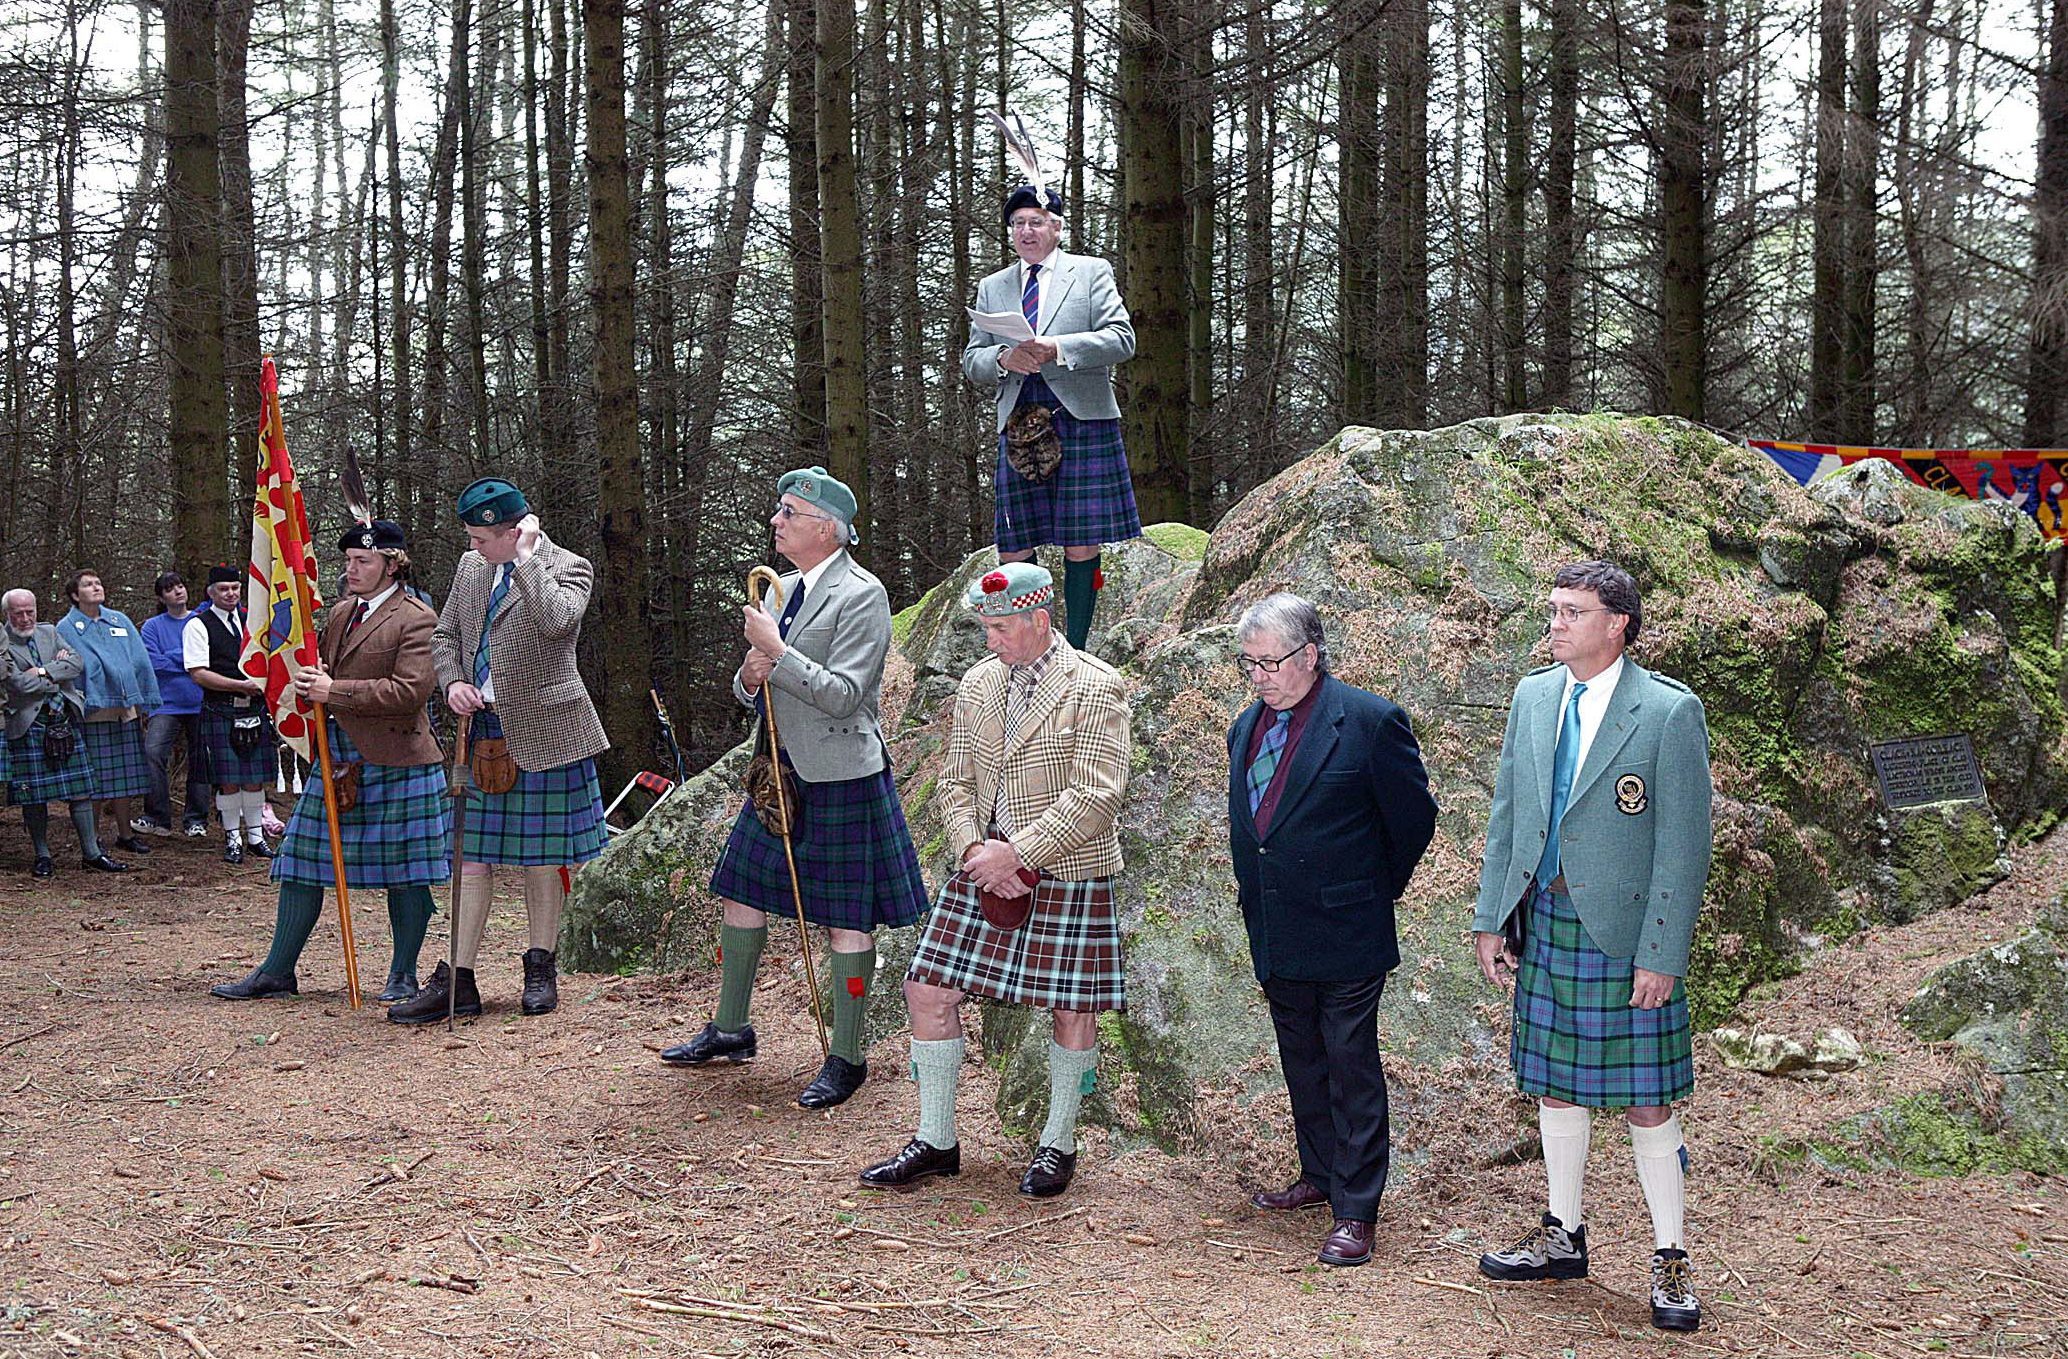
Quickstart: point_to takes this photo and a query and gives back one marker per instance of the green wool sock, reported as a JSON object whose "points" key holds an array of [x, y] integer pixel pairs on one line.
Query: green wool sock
{"points": [[739, 955], [852, 973], [937, 1066], [300, 904], [409, 916], [1071, 1076], [1080, 597]]}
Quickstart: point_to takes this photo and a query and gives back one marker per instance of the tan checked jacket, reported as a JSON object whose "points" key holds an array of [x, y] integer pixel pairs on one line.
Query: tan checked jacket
{"points": [[545, 709], [1060, 785]]}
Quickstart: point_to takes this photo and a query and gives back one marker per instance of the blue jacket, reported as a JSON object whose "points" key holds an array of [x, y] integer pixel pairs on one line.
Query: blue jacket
{"points": [[118, 669], [1353, 819], [165, 640]]}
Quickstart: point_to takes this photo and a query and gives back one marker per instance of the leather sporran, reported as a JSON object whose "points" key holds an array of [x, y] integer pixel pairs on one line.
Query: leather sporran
{"points": [[345, 783], [60, 735], [1032, 446], [491, 765], [246, 731], [760, 780], [1006, 914]]}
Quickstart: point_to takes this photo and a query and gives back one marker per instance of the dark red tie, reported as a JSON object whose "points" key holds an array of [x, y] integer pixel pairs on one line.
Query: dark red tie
{"points": [[358, 617]]}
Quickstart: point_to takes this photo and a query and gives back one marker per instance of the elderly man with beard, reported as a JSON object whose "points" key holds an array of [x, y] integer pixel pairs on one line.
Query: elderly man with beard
{"points": [[46, 756]]}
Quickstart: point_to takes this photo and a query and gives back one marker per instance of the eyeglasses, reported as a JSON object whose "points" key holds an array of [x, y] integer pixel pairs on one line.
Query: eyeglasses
{"points": [[1027, 223], [1249, 665], [790, 512], [1567, 614]]}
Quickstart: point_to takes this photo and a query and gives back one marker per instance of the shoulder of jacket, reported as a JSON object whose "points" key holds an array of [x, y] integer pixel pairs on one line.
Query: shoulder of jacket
{"points": [[1102, 672], [1672, 684], [1542, 670], [987, 671], [411, 604]]}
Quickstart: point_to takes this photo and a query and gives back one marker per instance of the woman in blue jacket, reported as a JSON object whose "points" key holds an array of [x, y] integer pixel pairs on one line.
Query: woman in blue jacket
{"points": [[121, 687]]}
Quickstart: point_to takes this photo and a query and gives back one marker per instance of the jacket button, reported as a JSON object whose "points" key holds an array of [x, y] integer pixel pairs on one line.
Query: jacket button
{"points": [[1262, 850], [1660, 921]]}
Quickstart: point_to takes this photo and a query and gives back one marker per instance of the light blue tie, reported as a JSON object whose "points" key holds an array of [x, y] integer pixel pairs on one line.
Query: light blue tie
{"points": [[1266, 763], [1565, 762], [495, 601]]}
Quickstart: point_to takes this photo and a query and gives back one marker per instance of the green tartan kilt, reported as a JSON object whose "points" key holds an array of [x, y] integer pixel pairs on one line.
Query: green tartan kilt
{"points": [[1065, 957], [551, 817], [31, 782], [116, 751], [398, 834], [1576, 1037]]}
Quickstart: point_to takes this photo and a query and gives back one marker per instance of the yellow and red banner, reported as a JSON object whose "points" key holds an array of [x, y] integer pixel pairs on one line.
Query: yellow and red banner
{"points": [[280, 639], [2033, 481]]}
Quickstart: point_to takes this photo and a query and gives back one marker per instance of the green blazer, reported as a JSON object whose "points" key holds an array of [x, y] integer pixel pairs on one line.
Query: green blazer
{"points": [[1634, 843]]}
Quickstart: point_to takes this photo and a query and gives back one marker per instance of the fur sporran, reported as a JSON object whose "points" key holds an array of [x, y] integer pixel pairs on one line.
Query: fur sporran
{"points": [[776, 814], [346, 785], [491, 765], [1032, 446]]}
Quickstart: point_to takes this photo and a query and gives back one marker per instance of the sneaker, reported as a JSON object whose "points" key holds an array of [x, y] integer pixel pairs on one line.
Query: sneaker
{"points": [[1548, 1252], [144, 825], [196, 830], [1674, 1304]]}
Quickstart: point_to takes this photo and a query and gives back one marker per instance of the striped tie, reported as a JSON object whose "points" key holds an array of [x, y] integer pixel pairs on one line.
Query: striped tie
{"points": [[495, 601], [1266, 763], [1030, 300]]}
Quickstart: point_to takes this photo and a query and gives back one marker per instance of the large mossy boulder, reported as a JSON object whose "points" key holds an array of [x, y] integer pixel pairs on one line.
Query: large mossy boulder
{"points": [[1812, 624]]}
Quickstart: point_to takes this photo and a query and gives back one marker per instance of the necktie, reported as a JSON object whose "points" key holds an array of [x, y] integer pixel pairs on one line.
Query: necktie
{"points": [[358, 617], [1565, 762], [495, 601], [791, 608], [1266, 763], [1030, 299]]}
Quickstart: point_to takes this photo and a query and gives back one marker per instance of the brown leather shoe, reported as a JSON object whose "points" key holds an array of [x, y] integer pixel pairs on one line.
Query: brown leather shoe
{"points": [[1299, 1194], [1348, 1244]]}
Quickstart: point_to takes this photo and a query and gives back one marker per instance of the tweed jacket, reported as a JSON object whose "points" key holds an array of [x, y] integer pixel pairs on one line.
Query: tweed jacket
{"points": [[1634, 843], [546, 712], [26, 693], [1063, 778], [381, 678], [827, 690], [1085, 313]]}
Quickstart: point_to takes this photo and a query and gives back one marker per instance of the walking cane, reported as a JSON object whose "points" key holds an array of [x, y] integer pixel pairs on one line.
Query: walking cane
{"points": [[462, 784], [760, 576]]}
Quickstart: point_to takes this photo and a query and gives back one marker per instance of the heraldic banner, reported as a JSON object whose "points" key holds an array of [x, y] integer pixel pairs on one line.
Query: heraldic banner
{"points": [[280, 585], [2031, 480]]}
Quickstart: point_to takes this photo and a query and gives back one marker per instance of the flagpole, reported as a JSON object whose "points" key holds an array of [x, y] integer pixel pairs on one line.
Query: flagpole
{"points": [[337, 858]]}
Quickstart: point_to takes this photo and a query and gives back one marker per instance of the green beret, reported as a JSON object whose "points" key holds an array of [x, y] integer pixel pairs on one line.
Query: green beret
{"points": [[492, 502], [1015, 587], [817, 486]]}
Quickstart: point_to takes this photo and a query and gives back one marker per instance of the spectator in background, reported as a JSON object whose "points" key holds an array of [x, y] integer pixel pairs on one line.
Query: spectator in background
{"points": [[47, 761], [120, 689], [177, 718]]}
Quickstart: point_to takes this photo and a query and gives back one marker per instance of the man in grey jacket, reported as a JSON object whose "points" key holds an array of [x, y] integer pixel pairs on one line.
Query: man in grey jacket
{"points": [[819, 667], [1063, 378], [45, 708]]}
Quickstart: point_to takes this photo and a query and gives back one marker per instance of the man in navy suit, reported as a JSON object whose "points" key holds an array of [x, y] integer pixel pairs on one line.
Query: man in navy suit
{"points": [[1328, 813]]}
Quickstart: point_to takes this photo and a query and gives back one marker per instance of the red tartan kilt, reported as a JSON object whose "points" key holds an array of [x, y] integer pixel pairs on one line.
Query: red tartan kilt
{"points": [[1066, 957]]}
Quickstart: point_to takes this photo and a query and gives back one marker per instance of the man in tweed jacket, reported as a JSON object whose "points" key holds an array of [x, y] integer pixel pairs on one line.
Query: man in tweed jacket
{"points": [[1029, 795], [1597, 851], [505, 652]]}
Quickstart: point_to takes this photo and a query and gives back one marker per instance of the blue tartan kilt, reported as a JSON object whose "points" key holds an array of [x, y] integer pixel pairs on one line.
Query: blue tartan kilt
{"points": [[224, 763], [31, 782], [398, 834], [1576, 1037], [549, 817], [1089, 501], [856, 866], [116, 751]]}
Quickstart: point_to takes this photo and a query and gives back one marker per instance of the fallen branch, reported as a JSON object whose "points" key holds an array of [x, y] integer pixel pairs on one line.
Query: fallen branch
{"points": [[717, 1314], [47, 1028], [185, 1333], [452, 1283], [1029, 1226], [1451, 1284]]}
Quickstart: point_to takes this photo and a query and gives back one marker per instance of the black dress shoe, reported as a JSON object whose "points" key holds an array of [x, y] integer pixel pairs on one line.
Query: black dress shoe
{"points": [[401, 986], [914, 1163], [1049, 1173], [1348, 1243], [43, 867], [101, 863], [233, 853], [712, 1044], [259, 984], [541, 983], [259, 849], [837, 1079], [129, 844], [428, 1006], [1301, 1193]]}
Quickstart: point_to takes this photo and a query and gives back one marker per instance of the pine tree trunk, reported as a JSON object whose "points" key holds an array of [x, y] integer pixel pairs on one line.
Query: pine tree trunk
{"points": [[1515, 177], [1402, 307], [240, 247], [1863, 166], [840, 259], [1358, 217], [1682, 145], [1828, 269], [414, 508], [438, 314], [1152, 219], [1258, 337], [2046, 372], [1200, 191], [198, 418], [807, 287], [1561, 239]]}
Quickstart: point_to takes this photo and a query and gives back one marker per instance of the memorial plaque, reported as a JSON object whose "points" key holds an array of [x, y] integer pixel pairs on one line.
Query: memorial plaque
{"points": [[1927, 769]]}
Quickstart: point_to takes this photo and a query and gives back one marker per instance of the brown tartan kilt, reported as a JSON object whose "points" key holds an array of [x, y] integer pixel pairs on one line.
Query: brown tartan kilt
{"points": [[1066, 957]]}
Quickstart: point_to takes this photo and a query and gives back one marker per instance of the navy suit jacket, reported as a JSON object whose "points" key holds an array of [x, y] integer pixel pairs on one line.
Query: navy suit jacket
{"points": [[1354, 817]]}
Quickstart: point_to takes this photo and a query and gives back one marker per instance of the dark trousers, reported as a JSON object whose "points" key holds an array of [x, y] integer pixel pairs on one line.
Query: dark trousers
{"points": [[160, 731], [1328, 1045]]}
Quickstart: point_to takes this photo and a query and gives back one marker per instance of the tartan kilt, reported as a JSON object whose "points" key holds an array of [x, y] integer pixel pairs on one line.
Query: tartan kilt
{"points": [[855, 863], [1576, 1038], [1089, 501], [1065, 957], [550, 817], [116, 750], [31, 783], [396, 835], [224, 763]]}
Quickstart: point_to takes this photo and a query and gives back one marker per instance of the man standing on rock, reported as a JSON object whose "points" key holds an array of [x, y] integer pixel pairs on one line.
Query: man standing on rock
{"points": [[819, 667], [505, 652], [1328, 814], [1029, 795], [1597, 852]]}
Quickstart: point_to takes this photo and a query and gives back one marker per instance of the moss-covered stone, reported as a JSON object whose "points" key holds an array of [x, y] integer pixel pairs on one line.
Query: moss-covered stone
{"points": [[1933, 1136]]}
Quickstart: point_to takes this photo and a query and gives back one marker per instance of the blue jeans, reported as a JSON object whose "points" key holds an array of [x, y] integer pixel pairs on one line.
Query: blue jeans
{"points": [[160, 731]]}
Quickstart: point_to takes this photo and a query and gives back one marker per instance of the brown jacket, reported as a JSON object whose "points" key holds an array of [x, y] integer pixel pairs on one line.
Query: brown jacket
{"points": [[381, 678]]}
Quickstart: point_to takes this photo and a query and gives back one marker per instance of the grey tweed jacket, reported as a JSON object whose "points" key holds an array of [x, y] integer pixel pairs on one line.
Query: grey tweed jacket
{"points": [[546, 712], [26, 693], [828, 688]]}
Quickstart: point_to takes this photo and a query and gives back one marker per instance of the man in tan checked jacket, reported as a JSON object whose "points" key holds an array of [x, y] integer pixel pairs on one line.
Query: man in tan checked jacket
{"points": [[1029, 792]]}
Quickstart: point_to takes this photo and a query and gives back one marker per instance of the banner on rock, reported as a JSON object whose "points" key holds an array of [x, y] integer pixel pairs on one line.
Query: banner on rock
{"points": [[2033, 481]]}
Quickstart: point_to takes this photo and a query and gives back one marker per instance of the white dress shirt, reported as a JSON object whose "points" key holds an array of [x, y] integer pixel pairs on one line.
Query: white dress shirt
{"points": [[194, 641], [1593, 707]]}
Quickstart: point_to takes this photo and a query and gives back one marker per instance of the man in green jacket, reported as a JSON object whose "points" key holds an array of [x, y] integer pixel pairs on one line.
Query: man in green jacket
{"points": [[1597, 851]]}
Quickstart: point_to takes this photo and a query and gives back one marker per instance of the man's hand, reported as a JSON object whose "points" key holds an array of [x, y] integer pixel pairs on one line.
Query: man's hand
{"points": [[463, 698], [1027, 356], [1649, 990], [313, 684], [761, 632], [754, 670], [995, 866], [1495, 959], [527, 536]]}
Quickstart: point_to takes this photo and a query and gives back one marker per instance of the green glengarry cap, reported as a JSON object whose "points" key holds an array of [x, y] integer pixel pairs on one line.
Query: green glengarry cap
{"points": [[491, 503], [1015, 587], [816, 486]]}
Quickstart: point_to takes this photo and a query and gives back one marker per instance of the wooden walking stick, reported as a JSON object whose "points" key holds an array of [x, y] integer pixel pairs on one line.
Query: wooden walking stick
{"points": [[760, 576], [462, 784]]}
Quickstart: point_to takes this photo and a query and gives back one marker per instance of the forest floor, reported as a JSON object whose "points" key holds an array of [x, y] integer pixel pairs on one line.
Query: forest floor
{"points": [[182, 1176]]}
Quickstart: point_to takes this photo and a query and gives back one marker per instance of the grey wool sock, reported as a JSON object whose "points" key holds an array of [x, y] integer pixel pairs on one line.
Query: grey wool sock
{"points": [[1071, 1076], [937, 1066]]}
